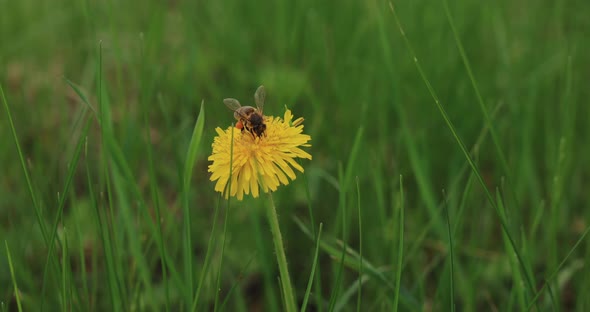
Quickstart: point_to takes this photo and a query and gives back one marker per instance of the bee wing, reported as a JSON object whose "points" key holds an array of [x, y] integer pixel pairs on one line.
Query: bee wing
{"points": [[235, 106], [259, 98], [232, 104]]}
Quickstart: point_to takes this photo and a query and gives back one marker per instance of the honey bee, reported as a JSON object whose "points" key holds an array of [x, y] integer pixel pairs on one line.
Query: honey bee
{"points": [[248, 117]]}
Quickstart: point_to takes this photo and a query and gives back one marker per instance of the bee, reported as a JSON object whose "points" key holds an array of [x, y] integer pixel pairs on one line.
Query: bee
{"points": [[248, 117]]}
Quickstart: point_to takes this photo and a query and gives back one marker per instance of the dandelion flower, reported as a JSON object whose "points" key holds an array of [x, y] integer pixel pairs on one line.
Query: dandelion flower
{"points": [[259, 162]]}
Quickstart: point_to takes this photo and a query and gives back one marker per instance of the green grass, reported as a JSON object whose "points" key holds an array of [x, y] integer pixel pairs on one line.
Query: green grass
{"points": [[109, 111]]}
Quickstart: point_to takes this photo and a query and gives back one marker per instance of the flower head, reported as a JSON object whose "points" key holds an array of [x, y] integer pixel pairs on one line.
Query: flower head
{"points": [[259, 162]]}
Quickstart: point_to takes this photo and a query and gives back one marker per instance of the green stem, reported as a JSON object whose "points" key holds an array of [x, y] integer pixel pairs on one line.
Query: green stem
{"points": [[273, 220]]}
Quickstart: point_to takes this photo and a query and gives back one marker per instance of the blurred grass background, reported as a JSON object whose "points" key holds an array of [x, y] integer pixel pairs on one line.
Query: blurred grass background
{"points": [[344, 67]]}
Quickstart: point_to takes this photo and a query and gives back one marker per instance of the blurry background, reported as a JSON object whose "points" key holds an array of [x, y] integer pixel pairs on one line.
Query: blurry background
{"points": [[344, 67]]}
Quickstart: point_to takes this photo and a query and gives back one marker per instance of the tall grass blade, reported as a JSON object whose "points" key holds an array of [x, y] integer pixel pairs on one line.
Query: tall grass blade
{"points": [[105, 122], [360, 226], [342, 211], [156, 202], [81, 95], [84, 300], [452, 263], [14, 284], [313, 268], [482, 106], [520, 294], [342, 302], [25, 171], [236, 282], [103, 233], [400, 249], [124, 185], [188, 171], [66, 300], [334, 249], [554, 273], [40, 221], [352, 159], [229, 184], [204, 270], [552, 298], [465, 151], [318, 279], [193, 147], [73, 165]]}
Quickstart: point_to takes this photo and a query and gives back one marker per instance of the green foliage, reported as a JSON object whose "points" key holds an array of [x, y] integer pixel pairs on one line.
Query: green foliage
{"points": [[105, 198]]}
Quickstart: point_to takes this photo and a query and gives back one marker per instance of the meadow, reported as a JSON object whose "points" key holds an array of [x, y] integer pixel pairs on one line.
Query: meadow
{"points": [[449, 144]]}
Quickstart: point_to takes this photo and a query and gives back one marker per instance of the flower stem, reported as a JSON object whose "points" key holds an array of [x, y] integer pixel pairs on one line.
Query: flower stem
{"points": [[273, 220]]}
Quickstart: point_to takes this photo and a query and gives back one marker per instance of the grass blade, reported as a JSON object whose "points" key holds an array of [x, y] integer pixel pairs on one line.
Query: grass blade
{"points": [[465, 151], [195, 142], [105, 121], [48, 242], [103, 234], [488, 119], [342, 212], [25, 171], [554, 273], [313, 266], [81, 95], [342, 301], [16, 291], [66, 300], [334, 250], [400, 248], [156, 202], [231, 166], [73, 165], [124, 187], [84, 300], [204, 270], [188, 171], [356, 146], [237, 282], [318, 279], [452, 264], [360, 225]]}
